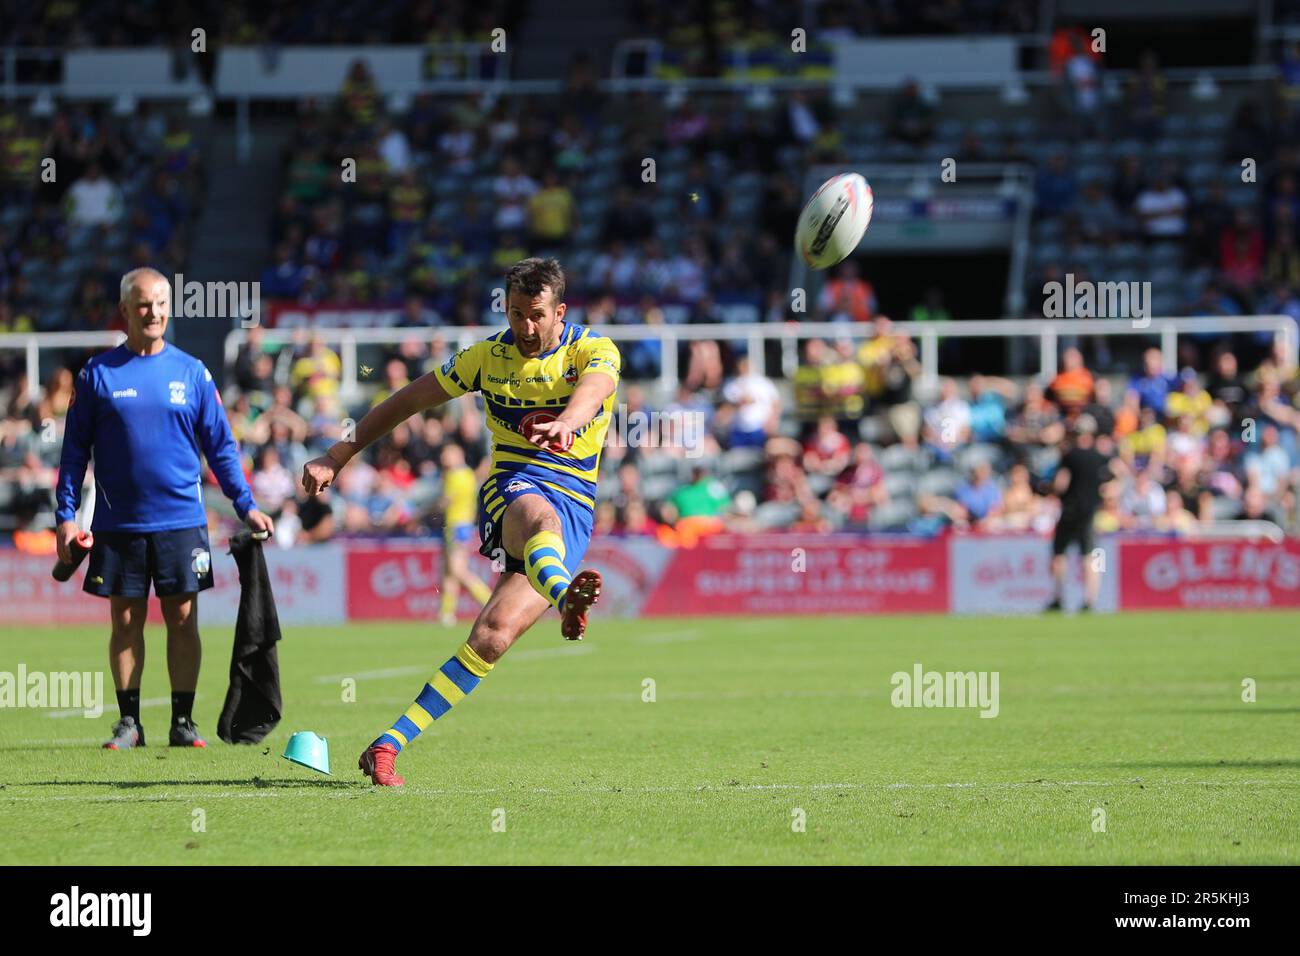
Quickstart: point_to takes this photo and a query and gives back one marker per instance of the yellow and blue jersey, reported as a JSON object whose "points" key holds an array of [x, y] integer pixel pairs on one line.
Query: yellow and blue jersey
{"points": [[460, 491], [519, 392]]}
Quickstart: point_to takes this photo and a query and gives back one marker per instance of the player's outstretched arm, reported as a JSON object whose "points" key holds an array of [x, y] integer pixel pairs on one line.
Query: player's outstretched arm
{"points": [[587, 398], [425, 392]]}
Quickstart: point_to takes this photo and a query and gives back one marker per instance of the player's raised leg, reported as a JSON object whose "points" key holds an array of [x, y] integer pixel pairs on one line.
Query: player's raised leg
{"points": [[533, 531], [126, 664], [512, 609], [184, 655]]}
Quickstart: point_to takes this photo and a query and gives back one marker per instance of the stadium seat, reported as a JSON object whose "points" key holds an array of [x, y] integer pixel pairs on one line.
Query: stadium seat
{"points": [[1048, 230], [820, 484], [900, 484], [971, 455], [742, 459], [941, 481], [900, 457], [776, 514], [949, 129], [658, 487], [1211, 124], [892, 516]]}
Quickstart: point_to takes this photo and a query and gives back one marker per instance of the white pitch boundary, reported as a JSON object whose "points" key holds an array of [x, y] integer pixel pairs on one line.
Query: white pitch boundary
{"points": [[527, 654], [81, 711]]}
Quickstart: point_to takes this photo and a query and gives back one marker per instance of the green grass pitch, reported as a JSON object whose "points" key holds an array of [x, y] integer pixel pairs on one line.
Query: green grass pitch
{"points": [[556, 757]]}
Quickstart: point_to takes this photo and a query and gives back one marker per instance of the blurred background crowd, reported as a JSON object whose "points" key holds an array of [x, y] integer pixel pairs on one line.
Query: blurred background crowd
{"points": [[1132, 181]]}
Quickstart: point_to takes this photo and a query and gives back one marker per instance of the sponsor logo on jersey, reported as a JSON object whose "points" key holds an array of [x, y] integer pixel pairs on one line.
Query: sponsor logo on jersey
{"points": [[518, 485], [125, 393], [527, 422]]}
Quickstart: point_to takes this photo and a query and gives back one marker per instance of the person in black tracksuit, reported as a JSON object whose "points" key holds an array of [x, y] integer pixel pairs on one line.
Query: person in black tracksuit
{"points": [[1082, 472]]}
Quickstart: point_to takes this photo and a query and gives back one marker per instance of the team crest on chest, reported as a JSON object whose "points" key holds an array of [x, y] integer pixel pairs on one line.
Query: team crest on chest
{"points": [[177, 392]]}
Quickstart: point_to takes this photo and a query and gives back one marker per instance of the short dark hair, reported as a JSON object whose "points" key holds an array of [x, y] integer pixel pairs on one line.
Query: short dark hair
{"points": [[530, 276]]}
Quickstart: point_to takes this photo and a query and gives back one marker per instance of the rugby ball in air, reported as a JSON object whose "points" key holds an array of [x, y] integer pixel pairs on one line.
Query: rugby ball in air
{"points": [[834, 221]]}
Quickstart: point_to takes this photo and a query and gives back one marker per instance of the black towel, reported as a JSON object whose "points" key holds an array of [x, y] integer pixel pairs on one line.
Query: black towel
{"points": [[253, 706]]}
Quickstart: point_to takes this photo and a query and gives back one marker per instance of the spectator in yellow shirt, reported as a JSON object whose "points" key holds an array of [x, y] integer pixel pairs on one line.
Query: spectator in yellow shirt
{"points": [[318, 372], [551, 212], [811, 397], [1190, 400], [875, 355], [1147, 443], [844, 380]]}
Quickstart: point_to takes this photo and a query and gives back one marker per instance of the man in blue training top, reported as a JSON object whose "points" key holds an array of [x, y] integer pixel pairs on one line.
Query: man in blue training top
{"points": [[145, 410]]}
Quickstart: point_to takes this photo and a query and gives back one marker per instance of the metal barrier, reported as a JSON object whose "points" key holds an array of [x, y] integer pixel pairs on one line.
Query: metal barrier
{"points": [[789, 334], [755, 335], [32, 342], [1234, 530]]}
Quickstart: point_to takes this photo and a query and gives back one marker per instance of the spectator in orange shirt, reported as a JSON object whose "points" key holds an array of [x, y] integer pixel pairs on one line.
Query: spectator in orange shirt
{"points": [[847, 296], [1072, 387]]}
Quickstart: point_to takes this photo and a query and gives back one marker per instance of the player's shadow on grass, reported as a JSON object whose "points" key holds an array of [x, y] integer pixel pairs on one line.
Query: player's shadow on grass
{"points": [[256, 783], [1238, 710], [1209, 764]]}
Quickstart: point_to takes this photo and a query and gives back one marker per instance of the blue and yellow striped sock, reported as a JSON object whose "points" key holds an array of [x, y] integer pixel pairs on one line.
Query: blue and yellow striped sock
{"points": [[454, 680], [544, 562]]}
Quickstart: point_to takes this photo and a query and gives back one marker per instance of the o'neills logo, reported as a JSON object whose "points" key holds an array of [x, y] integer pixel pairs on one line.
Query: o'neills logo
{"points": [[103, 909]]}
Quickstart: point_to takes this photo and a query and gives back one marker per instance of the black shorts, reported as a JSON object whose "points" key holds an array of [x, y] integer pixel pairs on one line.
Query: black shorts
{"points": [[1071, 529], [122, 563]]}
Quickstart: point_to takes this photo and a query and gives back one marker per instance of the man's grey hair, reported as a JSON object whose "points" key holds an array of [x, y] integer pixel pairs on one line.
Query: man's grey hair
{"points": [[134, 275]]}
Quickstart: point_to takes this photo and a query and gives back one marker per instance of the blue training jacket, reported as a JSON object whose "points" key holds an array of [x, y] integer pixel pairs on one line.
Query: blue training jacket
{"points": [[144, 419]]}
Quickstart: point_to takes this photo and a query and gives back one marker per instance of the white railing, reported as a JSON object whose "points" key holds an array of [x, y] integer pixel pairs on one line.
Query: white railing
{"points": [[1251, 530], [32, 342], [789, 334], [754, 335]]}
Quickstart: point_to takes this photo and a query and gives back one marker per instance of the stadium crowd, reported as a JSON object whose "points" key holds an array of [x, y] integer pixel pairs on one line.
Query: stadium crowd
{"points": [[75, 24], [452, 189], [851, 443]]}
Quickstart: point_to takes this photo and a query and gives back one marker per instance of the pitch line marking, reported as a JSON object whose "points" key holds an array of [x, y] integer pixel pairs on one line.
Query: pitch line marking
{"points": [[528, 654], [81, 711], [712, 788]]}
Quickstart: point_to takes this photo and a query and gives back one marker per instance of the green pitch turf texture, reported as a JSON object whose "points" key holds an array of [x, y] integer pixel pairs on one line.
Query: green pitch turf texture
{"points": [[1140, 716]]}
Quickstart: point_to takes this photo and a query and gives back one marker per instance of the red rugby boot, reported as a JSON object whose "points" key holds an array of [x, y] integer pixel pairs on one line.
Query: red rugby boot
{"points": [[377, 764], [578, 599]]}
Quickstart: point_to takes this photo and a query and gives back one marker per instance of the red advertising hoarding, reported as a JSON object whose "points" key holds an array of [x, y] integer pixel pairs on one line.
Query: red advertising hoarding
{"points": [[1210, 574], [794, 574]]}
